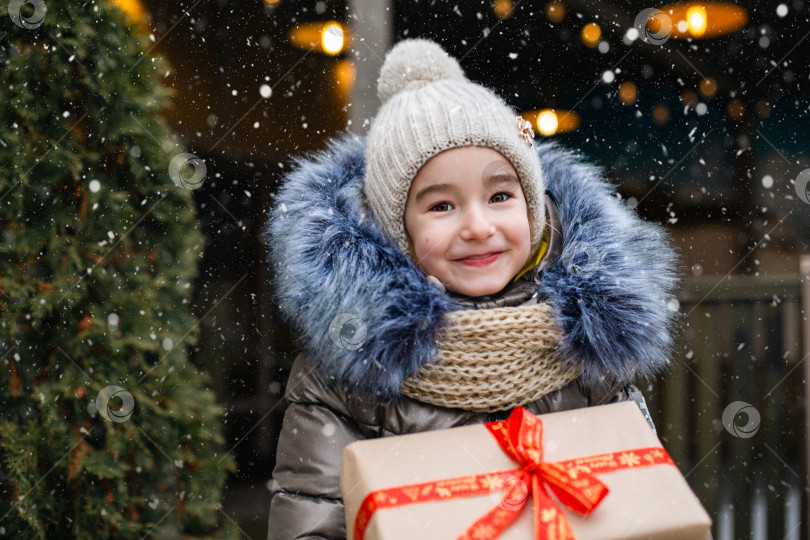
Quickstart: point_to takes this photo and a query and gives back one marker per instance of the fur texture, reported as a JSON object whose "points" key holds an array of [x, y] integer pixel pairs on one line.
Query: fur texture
{"points": [[332, 268]]}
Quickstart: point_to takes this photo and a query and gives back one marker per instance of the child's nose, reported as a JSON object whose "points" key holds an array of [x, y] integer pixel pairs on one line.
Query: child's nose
{"points": [[476, 224]]}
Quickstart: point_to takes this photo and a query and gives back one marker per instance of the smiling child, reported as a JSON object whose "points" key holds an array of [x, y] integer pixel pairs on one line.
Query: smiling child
{"points": [[444, 270]]}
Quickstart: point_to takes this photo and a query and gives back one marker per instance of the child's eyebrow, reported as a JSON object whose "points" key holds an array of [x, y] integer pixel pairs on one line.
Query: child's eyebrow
{"points": [[501, 178]]}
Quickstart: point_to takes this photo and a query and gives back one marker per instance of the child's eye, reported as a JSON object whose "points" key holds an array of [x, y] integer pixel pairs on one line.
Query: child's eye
{"points": [[506, 195], [432, 208]]}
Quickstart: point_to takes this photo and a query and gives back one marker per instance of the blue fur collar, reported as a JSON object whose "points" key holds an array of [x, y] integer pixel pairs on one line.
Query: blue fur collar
{"points": [[333, 272]]}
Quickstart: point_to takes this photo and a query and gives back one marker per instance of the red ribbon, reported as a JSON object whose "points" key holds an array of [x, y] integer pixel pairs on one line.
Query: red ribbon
{"points": [[521, 438]]}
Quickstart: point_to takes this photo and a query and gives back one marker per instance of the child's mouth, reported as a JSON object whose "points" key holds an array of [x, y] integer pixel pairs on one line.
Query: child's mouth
{"points": [[481, 260]]}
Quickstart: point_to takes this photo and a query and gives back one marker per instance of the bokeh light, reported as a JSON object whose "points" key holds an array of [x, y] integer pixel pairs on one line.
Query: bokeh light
{"points": [[332, 38], [502, 8], [708, 87], [696, 20], [660, 114], [547, 122], [555, 11], [628, 93], [591, 33], [736, 109]]}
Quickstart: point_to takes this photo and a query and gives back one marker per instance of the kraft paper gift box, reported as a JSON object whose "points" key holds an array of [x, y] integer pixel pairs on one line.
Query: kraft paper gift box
{"points": [[643, 500]]}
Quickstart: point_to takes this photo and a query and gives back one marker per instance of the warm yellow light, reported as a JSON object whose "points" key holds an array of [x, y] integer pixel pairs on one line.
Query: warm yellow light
{"points": [[132, 8], [271, 4], [551, 121], [689, 98], [344, 76], [704, 20], [555, 11], [708, 87], [661, 114], [502, 8], [697, 20], [332, 38], [591, 34], [736, 109], [327, 37], [628, 92], [547, 122]]}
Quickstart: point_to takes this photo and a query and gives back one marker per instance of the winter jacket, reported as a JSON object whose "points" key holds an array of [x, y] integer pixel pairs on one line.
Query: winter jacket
{"points": [[608, 275]]}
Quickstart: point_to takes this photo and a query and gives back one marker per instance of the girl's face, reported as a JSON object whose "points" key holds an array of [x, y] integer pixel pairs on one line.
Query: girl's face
{"points": [[467, 220]]}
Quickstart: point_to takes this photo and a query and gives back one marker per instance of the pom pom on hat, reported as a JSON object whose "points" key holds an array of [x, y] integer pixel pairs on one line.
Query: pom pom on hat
{"points": [[413, 63]]}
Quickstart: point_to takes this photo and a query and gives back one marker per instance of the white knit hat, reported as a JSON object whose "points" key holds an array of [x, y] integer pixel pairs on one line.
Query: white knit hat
{"points": [[429, 106]]}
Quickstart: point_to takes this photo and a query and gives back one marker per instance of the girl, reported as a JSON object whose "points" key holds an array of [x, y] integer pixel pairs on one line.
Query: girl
{"points": [[444, 271]]}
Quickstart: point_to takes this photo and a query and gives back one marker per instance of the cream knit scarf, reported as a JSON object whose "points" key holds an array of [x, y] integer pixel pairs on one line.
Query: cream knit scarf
{"points": [[493, 359]]}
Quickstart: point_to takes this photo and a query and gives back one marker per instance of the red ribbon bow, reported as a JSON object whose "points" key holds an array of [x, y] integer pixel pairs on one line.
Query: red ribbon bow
{"points": [[521, 438]]}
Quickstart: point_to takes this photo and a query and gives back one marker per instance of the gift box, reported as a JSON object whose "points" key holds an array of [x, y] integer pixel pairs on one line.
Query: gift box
{"points": [[591, 473]]}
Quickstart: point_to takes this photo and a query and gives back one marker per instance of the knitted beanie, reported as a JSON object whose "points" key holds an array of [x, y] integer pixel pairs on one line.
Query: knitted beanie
{"points": [[429, 106]]}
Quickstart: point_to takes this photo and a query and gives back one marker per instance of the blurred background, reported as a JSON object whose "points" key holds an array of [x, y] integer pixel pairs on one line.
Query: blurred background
{"points": [[698, 112]]}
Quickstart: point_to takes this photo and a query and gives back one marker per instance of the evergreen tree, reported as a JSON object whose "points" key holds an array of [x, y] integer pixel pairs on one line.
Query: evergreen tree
{"points": [[106, 429]]}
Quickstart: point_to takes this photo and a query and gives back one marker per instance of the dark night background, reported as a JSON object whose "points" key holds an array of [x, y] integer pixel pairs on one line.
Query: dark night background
{"points": [[717, 168]]}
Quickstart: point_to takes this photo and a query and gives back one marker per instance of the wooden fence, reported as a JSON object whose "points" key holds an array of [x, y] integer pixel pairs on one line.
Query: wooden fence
{"points": [[733, 410]]}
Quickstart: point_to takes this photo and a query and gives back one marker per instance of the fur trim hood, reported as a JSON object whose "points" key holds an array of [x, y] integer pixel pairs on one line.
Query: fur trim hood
{"points": [[333, 270]]}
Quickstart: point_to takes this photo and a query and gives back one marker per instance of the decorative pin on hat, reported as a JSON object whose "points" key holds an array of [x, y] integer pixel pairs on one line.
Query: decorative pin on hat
{"points": [[526, 131]]}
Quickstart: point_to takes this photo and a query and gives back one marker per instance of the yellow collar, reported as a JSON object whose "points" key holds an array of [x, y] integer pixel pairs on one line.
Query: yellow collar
{"points": [[534, 261]]}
